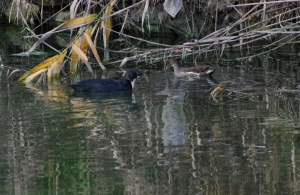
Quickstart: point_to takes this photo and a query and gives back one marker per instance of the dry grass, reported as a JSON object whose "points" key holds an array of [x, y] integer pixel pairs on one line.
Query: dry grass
{"points": [[274, 22]]}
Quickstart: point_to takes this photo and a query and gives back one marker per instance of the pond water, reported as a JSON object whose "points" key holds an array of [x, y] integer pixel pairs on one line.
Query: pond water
{"points": [[170, 136]]}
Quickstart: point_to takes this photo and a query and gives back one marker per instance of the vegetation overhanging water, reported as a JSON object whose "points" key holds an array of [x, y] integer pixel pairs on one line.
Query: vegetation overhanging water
{"points": [[170, 136]]}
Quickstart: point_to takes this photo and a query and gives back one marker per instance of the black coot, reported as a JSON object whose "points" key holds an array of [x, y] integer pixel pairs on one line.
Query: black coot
{"points": [[126, 83]]}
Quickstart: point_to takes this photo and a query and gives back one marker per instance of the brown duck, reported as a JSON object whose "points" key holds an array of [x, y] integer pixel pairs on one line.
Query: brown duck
{"points": [[191, 71]]}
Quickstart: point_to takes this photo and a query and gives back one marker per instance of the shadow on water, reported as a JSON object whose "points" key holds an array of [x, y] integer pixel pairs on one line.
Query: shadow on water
{"points": [[166, 137]]}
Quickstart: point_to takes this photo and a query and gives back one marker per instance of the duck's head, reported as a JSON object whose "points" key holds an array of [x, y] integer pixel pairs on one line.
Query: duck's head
{"points": [[172, 62], [131, 76]]}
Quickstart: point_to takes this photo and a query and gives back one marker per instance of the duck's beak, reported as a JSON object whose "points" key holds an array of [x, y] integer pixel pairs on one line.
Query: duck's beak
{"points": [[132, 83]]}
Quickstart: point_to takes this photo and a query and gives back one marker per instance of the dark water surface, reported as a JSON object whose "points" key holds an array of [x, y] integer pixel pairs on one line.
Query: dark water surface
{"points": [[169, 137]]}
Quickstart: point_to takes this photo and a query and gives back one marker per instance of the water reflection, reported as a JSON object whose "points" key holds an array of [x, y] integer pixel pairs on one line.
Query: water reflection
{"points": [[173, 117], [1, 69], [173, 139]]}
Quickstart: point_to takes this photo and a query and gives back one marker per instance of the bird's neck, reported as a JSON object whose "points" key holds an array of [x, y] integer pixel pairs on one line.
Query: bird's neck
{"points": [[177, 67]]}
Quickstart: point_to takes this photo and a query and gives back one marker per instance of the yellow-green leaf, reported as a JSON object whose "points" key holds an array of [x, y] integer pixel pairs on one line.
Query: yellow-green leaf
{"points": [[54, 69], [39, 67], [77, 22], [83, 57], [84, 44], [106, 32], [80, 53], [32, 76], [74, 59], [94, 50], [107, 22], [72, 23]]}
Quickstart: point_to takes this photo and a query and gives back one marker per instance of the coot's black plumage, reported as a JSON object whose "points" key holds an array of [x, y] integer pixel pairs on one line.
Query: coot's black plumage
{"points": [[126, 83]]}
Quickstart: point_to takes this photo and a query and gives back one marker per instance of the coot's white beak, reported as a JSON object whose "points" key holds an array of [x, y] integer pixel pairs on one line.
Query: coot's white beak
{"points": [[132, 83]]}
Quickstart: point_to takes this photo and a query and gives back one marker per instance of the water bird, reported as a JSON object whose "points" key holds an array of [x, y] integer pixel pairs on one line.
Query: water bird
{"points": [[190, 71], [126, 83]]}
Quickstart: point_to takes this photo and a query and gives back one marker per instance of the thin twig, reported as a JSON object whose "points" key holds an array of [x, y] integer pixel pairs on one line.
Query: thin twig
{"points": [[261, 3]]}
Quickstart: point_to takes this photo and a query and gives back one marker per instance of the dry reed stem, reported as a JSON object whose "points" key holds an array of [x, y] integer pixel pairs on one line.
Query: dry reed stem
{"points": [[251, 35], [122, 10], [261, 3], [225, 37]]}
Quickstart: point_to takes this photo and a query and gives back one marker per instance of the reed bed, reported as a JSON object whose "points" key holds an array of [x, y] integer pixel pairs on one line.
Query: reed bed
{"points": [[274, 23], [277, 23]]}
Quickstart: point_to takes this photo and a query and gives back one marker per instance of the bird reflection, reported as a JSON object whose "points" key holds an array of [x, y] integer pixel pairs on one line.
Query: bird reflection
{"points": [[173, 117], [125, 95]]}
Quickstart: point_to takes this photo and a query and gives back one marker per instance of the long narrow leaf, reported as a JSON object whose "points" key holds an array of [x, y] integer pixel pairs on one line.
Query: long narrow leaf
{"points": [[43, 38], [94, 50], [80, 53], [74, 59], [32, 76], [70, 24], [54, 69], [83, 57], [84, 44], [87, 65], [39, 67], [106, 32], [77, 22], [107, 22]]}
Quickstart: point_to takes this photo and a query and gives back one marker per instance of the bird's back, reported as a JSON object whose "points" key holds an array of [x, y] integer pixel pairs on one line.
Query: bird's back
{"points": [[199, 69], [101, 85]]}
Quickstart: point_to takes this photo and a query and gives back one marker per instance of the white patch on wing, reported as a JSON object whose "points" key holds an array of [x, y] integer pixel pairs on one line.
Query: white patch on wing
{"points": [[209, 71], [192, 74]]}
